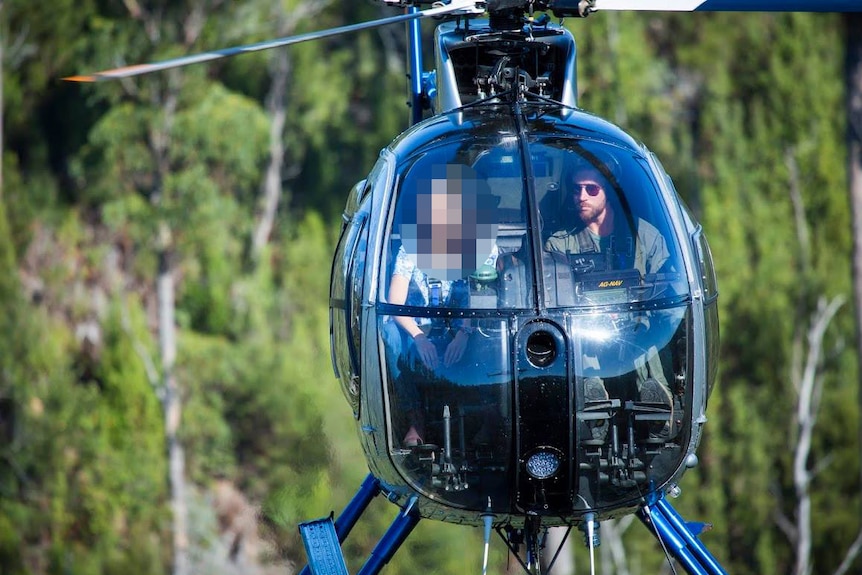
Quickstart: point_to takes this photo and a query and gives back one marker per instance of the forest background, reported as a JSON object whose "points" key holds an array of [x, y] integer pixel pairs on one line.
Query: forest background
{"points": [[221, 187]]}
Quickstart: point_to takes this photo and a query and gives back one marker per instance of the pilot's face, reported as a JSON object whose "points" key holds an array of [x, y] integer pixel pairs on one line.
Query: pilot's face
{"points": [[588, 189]]}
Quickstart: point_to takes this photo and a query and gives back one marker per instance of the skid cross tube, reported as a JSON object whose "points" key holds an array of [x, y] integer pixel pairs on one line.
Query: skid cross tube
{"points": [[676, 536]]}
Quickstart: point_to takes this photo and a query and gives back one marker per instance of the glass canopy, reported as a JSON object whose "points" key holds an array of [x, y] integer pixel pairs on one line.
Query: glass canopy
{"points": [[535, 322]]}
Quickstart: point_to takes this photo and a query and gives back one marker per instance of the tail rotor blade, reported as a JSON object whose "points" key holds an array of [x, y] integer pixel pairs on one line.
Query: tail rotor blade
{"points": [[455, 7]]}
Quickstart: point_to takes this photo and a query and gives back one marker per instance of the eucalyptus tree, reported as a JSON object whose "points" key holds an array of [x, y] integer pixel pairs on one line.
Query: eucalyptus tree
{"points": [[772, 182], [164, 159], [725, 100]]}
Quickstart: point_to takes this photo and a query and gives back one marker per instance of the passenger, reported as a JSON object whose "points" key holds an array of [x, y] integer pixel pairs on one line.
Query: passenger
{"points": [[444, 237], [411, 286]]}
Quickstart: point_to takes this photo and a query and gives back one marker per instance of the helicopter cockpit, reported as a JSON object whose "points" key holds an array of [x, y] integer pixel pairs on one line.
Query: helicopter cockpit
{"points": [[533, 303]]}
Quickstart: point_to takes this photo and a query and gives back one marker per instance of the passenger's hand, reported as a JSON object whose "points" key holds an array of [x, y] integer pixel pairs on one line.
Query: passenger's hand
{"points": [[456, 348], [426, 350]]}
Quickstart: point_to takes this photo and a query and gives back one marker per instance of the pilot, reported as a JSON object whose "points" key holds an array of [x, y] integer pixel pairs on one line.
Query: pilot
{"points": [[442, 240], [605, 229]]}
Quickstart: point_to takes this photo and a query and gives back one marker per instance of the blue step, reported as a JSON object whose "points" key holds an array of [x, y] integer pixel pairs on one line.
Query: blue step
{"points": [[322, 547]]}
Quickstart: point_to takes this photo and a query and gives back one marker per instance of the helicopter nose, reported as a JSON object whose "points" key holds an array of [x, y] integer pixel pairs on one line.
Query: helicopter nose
{"points": [[544, 426]]}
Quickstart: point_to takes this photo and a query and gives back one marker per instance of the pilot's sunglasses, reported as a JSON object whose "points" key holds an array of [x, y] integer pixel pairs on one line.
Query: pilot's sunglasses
{"points": [[592, 189]]}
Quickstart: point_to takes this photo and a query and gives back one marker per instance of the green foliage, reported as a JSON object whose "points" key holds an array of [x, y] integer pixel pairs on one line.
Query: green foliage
{"points": [[737, 106], [84, 470], [757, 123], [254, 406], [741, 108], [224, 132]]}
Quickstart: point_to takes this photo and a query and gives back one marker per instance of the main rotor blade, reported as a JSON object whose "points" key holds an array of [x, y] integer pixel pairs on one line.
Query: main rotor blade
{"points": [[456, 6], [732, 5]]}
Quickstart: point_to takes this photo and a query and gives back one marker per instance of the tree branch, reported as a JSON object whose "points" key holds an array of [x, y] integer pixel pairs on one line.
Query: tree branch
{"points": [[808, 402], [851, 555], [785, 525], [141, 351], [280, 72]]}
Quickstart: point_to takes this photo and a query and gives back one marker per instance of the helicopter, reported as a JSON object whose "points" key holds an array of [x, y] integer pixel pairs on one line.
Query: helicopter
{"points": [[507, 368]]}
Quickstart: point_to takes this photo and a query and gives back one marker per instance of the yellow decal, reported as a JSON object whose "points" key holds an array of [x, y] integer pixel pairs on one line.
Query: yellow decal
{"points": [[611, 283]]}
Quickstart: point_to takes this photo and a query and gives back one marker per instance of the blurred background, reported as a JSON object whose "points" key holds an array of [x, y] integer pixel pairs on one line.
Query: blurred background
{"points": [[165, 246]]}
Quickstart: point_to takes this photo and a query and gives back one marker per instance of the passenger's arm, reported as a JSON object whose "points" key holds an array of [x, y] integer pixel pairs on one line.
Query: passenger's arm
{"points": [[398, 287], [398, 296]]}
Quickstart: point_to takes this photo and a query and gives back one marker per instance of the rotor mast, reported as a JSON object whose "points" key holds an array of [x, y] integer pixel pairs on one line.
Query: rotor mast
{"points": [[509, 54]]}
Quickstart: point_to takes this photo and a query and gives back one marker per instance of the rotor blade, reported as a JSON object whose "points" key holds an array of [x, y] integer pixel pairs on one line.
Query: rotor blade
{"points": [[456, 6], [732, 5]]}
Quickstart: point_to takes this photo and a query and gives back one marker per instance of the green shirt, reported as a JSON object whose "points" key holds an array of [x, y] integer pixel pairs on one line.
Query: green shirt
{"points": [[650, 255]]}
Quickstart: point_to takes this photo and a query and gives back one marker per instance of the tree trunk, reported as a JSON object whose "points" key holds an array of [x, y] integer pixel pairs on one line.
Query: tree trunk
{"points": [[613, 550], [2, 55], [160, 138], [806, 375], [565, 563], [853, 82], [166, 100], [172, 405], [271, 192], [807, 379], [276, 108]]}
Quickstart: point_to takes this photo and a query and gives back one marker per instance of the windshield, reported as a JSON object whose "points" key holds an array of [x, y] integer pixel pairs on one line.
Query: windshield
{"points": [[604, 230], [460, 215], [536, 314]]}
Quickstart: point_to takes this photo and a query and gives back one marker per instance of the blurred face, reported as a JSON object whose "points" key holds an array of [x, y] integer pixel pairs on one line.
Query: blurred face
{"points": [[589, 195], [453, 229], [447, 234]]}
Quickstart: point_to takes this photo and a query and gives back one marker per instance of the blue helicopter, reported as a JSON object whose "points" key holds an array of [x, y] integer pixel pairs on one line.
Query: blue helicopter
{"points": [[523, 311]]}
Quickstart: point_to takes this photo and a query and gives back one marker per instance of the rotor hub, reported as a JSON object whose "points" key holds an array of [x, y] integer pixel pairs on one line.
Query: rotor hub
{"points": [[476, 60]]}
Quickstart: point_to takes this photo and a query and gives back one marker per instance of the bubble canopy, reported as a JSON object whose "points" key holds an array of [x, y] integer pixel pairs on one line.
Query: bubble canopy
{"points": [[534, 318]]}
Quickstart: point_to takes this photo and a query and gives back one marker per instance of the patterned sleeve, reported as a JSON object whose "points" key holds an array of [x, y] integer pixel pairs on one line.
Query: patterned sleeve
{"points": [[404, 266]]}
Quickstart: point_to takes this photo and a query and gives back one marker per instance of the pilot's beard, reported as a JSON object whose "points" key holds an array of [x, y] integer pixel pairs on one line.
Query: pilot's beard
{"points": [[589, 214]]}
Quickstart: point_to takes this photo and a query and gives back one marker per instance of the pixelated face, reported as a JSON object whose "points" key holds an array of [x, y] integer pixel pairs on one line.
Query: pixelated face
{"points": [[452, 230], [588, 189]]}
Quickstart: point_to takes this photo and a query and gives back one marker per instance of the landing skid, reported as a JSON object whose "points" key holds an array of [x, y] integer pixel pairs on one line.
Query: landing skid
{"points": [[678, 537], [323, 537]]}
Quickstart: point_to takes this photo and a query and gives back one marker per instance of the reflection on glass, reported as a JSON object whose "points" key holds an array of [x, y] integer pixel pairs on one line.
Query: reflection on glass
{"points": [[451, 420], [632, 367], [580, 406]]}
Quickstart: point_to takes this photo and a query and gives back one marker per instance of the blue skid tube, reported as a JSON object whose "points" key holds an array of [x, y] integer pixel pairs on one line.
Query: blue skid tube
{"points": [[677, 537], [392, 540]]}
